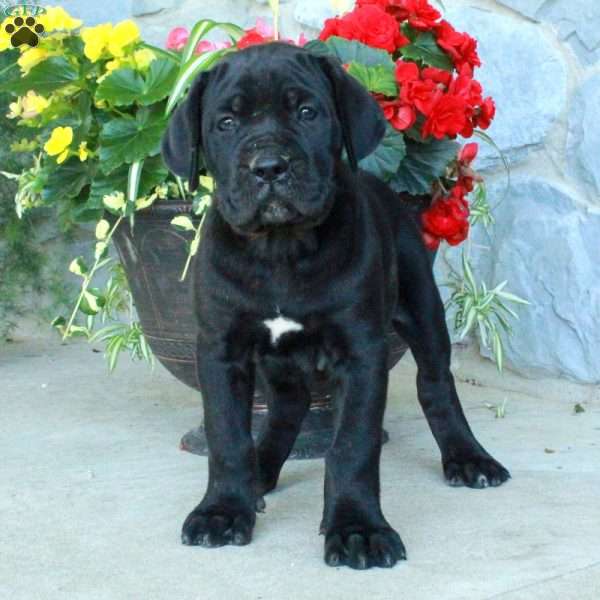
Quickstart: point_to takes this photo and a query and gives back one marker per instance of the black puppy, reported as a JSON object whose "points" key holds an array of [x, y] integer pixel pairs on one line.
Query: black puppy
{"points": [[304, 265]]}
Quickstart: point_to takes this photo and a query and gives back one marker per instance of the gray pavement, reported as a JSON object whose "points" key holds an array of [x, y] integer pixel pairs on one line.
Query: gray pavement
{"points": [[93, 491]]}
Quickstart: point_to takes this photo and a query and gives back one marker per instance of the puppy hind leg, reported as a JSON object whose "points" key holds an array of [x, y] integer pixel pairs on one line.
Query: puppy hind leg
{"points": [[288, 401], [421, 322]]}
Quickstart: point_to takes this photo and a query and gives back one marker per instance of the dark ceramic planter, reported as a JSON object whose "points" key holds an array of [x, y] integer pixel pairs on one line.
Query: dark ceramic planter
{"points": [[153, 255]]}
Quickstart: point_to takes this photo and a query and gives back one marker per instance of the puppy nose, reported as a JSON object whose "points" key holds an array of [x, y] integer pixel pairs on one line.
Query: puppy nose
{"points": [[269, 168]]}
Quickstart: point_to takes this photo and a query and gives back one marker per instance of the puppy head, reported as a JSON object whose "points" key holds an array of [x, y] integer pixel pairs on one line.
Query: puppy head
{"points": [[271, 122]]}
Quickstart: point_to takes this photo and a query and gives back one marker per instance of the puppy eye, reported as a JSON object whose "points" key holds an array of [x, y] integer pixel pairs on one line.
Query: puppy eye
{"points": [[306, 113], [226, 124]]}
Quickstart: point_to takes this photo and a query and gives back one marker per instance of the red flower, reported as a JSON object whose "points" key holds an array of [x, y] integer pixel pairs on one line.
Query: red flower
{"points": [[252, 38], [438, 75], [448, 118], [401, 117], [419, 13], [404, 118], [467, 88], [468, 153], [368, 24], [485, 114], [447, 219], [406, 71], [461, 47], [424, 95], [466, 175]]}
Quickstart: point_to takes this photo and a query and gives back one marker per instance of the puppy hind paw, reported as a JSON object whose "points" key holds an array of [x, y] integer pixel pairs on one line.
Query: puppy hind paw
{"points": [[475, 472]]}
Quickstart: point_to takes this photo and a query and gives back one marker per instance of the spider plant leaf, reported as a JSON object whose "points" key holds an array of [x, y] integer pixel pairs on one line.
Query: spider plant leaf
{"points": [[511, 312], [483, 333], [498, 351], [513, 298], [471, 316]]}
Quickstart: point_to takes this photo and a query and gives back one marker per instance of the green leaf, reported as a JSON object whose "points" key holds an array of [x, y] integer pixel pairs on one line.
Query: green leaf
{"points": [[498, 351], [126, 140], [468, 272], [379, 79], [349, 51], [160, 79], [115, 350], [50, 75], [423, 164], [133, 180], [126, 86], [154, 173], [67, 180], [183, 223], [386, 159], [318, 48], [425, 49], [188, 73], [58, 322], [512, 298], [200, 31], [122, 87]]}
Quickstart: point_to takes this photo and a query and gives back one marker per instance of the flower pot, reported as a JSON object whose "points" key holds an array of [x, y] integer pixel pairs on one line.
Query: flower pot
{"points": [[153, 255]]}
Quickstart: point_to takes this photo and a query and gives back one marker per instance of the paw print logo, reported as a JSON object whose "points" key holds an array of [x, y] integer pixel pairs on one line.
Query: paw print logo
{"points": [[24, 31]]}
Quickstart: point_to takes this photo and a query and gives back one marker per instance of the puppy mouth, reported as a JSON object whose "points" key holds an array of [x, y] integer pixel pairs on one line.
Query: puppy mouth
{"points": [[277, 212]]}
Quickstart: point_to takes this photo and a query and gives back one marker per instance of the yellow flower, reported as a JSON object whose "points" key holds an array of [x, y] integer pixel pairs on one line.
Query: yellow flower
{"points": [[95, 40], [31, 57], [57, 18], [123, 34], [59, 143], [5, 37], [83, 151], [16, 109], [143, 58], [111, 65], [33, 105]]}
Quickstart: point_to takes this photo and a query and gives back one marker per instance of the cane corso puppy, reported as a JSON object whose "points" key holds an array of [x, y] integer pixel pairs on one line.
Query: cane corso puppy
{"points": [[304, 265]]}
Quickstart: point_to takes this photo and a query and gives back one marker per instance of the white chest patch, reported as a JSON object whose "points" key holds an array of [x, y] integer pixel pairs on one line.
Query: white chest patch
{"points": [[280, 325]]}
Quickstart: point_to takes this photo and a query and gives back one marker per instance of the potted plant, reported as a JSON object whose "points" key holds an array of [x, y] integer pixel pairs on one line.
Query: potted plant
{"points": [[95, 103]]}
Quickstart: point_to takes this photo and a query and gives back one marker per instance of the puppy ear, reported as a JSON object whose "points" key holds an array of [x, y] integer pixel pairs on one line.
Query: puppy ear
{"points": [[361, 118], [182, 142]]}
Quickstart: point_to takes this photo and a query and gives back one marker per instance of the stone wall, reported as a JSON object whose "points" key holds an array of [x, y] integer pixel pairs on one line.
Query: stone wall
{"points": [[542, 65]]}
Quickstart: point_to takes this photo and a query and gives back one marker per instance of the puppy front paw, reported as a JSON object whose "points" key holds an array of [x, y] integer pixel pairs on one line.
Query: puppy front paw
{"points": [[218, 525], [360, 547], [476, 471]]}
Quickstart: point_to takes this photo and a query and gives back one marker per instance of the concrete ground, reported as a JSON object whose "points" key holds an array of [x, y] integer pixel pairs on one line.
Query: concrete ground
{"points": [[93, 491]]}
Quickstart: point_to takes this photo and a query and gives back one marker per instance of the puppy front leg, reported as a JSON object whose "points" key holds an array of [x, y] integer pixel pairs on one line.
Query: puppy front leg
{"points": [[226, 515], [356, 532]]}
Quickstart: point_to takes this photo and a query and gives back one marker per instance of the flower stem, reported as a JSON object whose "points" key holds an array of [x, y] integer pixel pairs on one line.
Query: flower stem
{"points": [[87, 281], [191, 253]]}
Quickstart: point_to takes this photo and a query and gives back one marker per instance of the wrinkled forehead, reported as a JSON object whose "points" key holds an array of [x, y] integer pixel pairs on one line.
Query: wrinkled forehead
{"points": [[266, 74]]}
